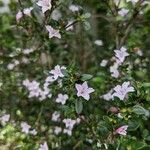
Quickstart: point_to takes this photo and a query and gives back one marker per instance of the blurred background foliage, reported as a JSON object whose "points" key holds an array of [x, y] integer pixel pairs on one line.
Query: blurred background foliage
{"points": [[76, 50]]}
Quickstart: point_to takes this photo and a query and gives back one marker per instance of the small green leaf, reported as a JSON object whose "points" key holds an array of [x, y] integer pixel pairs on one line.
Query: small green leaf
{"points": [[78, 106], [87, 25], [139, 110], [133, 125], [86, 77], [146, 84]]}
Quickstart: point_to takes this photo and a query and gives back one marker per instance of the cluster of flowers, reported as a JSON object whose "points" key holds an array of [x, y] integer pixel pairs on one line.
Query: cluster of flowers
{"points": [[26, 128], [69, 124], [119, 91], [4, 118], [24, 12], [120, 56], [34, 87], [56, 15], [23, 60], [13, 64], [35, 91], [124, 11]]}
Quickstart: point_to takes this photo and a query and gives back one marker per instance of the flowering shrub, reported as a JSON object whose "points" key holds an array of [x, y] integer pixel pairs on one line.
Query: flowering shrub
{"points": [[74, 74]]}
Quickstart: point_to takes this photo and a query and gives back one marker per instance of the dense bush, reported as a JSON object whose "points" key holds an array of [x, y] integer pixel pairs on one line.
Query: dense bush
{"points": [[74, 74]]}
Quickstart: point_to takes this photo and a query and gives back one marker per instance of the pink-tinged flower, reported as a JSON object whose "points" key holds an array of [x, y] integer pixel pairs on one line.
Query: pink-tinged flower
{"points": [[68, 131], [57, 72], [62, 98], [53, 32], [44, 146], [19, 15], [25, 127], [122, 130], [69, 123], [114, 110], [26, 11], [121, 54], [56, 116], [57, 130], [45, 4], [5, 118], [83, 90], [122, 90]]}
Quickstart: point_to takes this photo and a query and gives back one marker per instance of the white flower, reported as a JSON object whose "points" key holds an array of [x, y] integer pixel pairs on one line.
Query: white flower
{"points": [[35, 90], [53, 32], [119, 116], [74, 8], [56, 116], [62, 98], [27, 11], [25, 127], [98, 42], [27, 51], [5, 118], [78, 120], [114, 70], [133, 1], [44, 146], [33, 132], [68, 131], [108, 96], [57, 72], [121, 54], [122, 90], [123, 12], [16, 62], [84, 91], [45, 4], [69, 123], [103, 63], [139, 52], [10, 66], [25, 60], [57, 130]]}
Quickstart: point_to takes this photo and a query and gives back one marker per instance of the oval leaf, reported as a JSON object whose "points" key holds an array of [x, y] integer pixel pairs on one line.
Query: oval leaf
{"points": [[78, 106]]}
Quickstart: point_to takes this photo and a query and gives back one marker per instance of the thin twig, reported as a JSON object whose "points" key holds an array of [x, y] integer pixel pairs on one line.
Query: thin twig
{"points": [[76, 21]]}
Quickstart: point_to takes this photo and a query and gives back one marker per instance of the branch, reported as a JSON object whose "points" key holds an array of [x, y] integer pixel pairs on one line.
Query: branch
{"points": [[130, 24]]}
